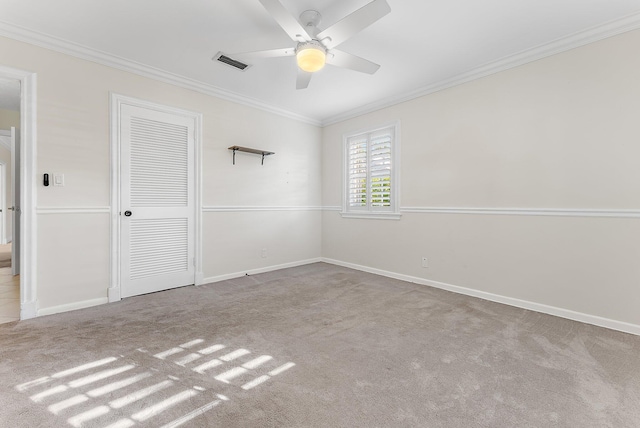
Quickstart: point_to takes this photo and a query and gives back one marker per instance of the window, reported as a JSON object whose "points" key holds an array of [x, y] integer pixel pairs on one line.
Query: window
{"points": [[371, 183]]}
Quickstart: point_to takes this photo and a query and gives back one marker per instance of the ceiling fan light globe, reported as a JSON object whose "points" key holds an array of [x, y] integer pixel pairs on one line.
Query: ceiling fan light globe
{"points": [[311, 59]]}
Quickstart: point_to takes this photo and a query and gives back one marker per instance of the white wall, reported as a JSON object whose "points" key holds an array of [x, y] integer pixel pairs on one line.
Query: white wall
{"points": [[559, 133], [9, 118], [73, 139]]}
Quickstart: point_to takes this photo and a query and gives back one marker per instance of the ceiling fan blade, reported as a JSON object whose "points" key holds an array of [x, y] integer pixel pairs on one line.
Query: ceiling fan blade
{"points": [[289, 24], [303, 80], [272, 53], [346, 60], [353, 23]]}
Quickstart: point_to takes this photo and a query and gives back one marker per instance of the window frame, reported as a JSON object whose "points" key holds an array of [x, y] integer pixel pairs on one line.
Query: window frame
{"points": [[371, 212]]}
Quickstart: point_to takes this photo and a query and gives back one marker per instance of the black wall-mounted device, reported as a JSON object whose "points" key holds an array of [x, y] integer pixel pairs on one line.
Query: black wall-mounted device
{"points": [[46, 180]]}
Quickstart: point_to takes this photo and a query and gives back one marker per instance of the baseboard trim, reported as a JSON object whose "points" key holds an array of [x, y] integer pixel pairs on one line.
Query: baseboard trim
{"points": [[28, 310], [524, 304], [219, 278], [113, 294], [199, 278], [72, 306]]}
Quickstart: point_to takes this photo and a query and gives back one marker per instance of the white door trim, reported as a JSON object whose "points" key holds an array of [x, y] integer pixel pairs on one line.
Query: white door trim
{"points": [[117, 100], [28, 195]]}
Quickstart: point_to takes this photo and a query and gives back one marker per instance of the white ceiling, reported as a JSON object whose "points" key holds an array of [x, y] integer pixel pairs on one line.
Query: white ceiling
{"points": [[420, 44]]}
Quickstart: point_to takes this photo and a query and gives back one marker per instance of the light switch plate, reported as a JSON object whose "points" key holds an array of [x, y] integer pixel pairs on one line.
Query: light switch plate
{"points": [[58, 179]]}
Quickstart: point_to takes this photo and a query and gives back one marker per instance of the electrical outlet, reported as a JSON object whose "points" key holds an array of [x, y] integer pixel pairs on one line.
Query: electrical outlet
{"points": [[264, 253], [425, 262]]}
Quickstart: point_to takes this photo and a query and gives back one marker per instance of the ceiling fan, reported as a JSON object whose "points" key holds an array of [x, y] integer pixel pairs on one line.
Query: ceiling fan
{"points": [[313, 47]]}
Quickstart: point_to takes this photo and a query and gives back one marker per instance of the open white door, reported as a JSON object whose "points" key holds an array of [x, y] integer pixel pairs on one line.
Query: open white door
{"points": [[15, 201], [5, 189], [157, 200], [3, 203]]}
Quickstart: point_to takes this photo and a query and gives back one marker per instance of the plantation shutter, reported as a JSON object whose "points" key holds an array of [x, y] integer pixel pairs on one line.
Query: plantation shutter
{"points": [[380, 169], [369, 171], [358, 172]]}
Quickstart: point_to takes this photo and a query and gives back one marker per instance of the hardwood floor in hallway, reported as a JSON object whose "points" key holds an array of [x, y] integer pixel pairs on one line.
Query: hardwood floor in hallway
{"points": [[9, 290]]}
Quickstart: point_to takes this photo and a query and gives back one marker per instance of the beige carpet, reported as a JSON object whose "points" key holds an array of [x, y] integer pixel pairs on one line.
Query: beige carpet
{"points": [[315, 346]]}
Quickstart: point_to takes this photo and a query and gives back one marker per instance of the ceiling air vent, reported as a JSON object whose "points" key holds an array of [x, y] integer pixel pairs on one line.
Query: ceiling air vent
{"points": [[231, 62]]}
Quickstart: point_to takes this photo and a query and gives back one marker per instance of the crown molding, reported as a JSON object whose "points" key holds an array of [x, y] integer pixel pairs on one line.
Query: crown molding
{"points": [[83, 52], [609, 29], [575, 40]]}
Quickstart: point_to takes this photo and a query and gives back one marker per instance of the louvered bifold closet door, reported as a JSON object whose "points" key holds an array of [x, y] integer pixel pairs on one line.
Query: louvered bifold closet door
{"points": [[157, 189]]}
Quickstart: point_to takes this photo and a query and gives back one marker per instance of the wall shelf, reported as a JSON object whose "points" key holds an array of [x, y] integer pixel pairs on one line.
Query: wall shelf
{"points": [[248, 150]]}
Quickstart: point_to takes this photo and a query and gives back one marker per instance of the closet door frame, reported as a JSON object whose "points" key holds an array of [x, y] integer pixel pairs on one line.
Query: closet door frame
{"points": [[117, 101]]}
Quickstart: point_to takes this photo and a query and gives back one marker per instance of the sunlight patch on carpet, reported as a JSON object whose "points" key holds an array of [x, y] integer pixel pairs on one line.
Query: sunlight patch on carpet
{"points": [[126, 391]]}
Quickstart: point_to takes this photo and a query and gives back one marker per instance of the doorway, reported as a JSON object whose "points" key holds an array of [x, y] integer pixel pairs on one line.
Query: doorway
{"points": [[155, 188], [22, 208], [9, 193]]}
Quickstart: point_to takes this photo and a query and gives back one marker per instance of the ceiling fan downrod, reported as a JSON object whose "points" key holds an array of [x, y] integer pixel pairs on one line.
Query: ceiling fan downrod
{"points": [[311, 19]]}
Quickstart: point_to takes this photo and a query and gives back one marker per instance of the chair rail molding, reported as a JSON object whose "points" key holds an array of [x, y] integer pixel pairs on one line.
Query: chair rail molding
{"points": [[260, 208], [73, 210], [558, 212], [554, 212]]}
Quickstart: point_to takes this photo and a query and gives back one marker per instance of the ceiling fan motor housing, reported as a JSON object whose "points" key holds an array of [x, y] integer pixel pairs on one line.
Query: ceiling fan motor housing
{"points": [[313, 44]]}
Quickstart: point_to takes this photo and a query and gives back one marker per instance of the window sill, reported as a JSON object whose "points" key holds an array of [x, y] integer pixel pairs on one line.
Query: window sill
{"points": [[371, 215]]}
